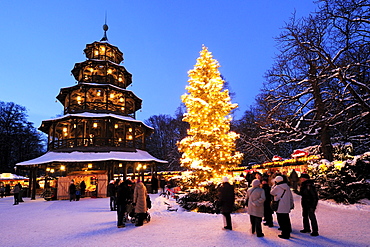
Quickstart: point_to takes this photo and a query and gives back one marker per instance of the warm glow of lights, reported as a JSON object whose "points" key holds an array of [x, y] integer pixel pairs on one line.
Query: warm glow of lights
{"points": [[98, 93], [89, 165], [96, 53], [52, 170], [209, 148], [102, 48], [120, 165], [130, 137], [95, 125], [62, 168], [47, 169], [111, 95], [129, 129], [121, 99], [139, 166], [109, 71], [74, 126], [116, 126], [119, 139], [78, 98], [120, 79], [65, 129]]}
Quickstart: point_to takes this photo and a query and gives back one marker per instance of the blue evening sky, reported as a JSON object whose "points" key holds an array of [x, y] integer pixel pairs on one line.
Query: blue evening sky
{"points": [[160, 39]]}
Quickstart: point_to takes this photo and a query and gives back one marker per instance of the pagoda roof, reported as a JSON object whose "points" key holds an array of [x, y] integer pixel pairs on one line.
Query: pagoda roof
{"points": [[99, 85], [50, 157], [96, 115]]}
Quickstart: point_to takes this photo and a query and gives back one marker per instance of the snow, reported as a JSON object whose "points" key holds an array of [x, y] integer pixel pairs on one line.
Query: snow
{"points": [[49, 157], [89, 222]]}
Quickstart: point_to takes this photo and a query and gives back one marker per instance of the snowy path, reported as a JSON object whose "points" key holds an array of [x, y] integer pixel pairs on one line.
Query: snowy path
{"points": [[89, 223]]}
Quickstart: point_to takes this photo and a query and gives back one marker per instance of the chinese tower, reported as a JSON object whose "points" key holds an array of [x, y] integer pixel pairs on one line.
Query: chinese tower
{"points": [[98, 136]]}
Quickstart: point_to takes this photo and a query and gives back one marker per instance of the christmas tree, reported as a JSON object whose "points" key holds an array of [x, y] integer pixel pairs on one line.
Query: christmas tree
{"points": [[209, 148]]}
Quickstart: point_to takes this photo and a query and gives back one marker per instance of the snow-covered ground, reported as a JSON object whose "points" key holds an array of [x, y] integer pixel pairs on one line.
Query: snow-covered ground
{"points": [[89, 222]]}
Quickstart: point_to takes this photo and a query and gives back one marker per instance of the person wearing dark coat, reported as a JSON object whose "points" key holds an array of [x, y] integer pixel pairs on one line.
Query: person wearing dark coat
{"points": [[123, 197], [309, 202], [112, 195], [20, 195], [294, 179], [7, 190], [72, 192], [226, 197], [154, 183], [16, 194], [267, 209], [83, 188]]}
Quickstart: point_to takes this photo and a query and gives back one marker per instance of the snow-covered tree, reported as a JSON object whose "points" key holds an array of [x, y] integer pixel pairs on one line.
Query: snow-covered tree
{"points": [[209, 148], [318, 89]]}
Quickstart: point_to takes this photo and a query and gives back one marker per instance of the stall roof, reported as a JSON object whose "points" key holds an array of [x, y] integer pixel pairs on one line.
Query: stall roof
{"points": [[10, 176], [49, 157]]}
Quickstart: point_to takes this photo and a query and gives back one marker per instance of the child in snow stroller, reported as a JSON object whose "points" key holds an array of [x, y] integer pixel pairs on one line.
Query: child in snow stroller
{"points": [[136, 216]]}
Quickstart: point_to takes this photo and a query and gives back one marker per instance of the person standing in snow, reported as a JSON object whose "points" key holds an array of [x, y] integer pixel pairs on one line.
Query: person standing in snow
{"points": [[309, 202], [281, 192], [16, 194], [226, 197], [267, 211], [123, 196], [72, 191], [83, 188], [139, 202], [154, 183], [294, 179], [256, 198], [2, 190], [112, 194]]}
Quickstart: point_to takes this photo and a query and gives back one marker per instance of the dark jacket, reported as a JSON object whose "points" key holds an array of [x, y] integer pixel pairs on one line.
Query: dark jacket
{"points": [[72, 189], [309, 194], [154, 183], [111, 189], [226, 197], [123, 194], [267, 202]]}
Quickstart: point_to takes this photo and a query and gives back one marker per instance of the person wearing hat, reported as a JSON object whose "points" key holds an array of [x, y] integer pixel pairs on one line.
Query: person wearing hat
{"points": [[112, 195], [281, 192], [309, 202], [226, 198], [256, 197]]}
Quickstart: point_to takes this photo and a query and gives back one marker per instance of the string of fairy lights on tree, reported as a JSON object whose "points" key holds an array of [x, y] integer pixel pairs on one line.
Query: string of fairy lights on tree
{"points": [[209, 148]]}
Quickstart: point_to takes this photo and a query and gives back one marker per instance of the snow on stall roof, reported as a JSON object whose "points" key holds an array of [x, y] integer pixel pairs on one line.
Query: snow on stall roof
{"points": [[98, 115], [49, 157]]}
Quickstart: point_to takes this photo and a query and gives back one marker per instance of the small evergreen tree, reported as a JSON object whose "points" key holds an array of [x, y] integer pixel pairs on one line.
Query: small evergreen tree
{"points": [[209, 148]]}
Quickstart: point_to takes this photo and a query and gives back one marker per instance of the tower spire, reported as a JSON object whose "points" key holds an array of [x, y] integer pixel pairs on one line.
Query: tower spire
{"points": [[105, 28]]}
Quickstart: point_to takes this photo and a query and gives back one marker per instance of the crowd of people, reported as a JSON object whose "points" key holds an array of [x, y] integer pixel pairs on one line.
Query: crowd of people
{"points": [[17, 191], [267, 189], [130, 197], [76, 190]]}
